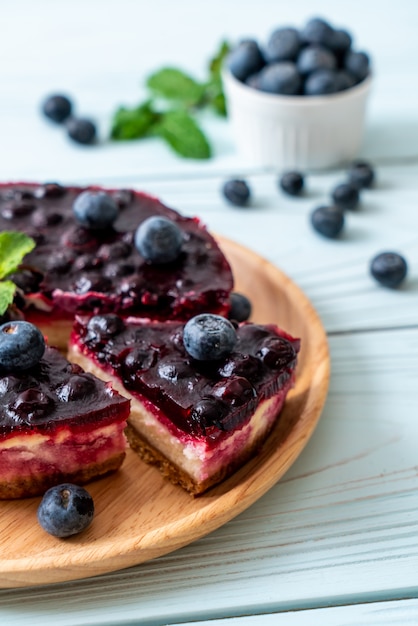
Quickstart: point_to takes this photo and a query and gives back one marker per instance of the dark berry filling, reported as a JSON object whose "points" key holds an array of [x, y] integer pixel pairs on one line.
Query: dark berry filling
{"points": [[55, 392], [200, 397], [83, 269]]}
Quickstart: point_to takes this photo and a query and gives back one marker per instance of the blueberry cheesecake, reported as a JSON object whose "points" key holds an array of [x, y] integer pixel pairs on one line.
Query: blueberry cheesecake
{"points": [[57, 422], [116, 251], [204, 394]]}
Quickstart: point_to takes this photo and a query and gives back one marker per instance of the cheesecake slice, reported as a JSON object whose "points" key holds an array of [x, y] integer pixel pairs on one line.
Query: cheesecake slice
{"points": [[197, 421], [57, 424], [79, 269]]}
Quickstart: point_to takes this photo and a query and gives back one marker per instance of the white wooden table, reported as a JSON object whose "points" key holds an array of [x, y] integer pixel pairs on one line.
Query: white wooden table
{"points": [[336, 540]]}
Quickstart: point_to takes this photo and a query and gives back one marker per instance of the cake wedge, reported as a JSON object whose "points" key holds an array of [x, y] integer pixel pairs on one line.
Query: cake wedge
{"points": [[57, 422], [196, 420]]}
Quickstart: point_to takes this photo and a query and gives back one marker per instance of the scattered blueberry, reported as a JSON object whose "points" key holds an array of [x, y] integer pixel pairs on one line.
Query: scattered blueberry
{"points": [[159, 240], [328, 221], [291, 183], [283, 45], [57, 108], [65, 510], [315, 58], [95, 209], [389, 269], [81, 130], [245, 59], [240, 307], [237, 192], [321, 82], [209, 337], [280, 78], [361, 174], [346, 196], [358, 64], [22, 346]]}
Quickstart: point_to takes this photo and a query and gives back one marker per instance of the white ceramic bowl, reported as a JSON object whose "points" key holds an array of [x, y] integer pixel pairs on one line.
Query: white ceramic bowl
{"points": [[305, 132]]}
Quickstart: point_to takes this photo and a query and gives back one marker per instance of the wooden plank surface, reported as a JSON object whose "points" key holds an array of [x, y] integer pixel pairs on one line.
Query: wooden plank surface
{"points": [[341, 527], [396, 613]]}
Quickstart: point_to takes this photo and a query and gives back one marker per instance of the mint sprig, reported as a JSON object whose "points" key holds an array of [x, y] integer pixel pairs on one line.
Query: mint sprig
{"points": [[171, 110], [14, 247]]}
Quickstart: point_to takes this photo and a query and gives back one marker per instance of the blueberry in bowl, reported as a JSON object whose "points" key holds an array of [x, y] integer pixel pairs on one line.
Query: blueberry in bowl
{"points": [[302, 103]]}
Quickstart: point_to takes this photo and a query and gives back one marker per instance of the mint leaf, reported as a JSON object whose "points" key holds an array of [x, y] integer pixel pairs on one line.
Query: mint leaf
{"points": [[216, 62], [13, 247], [182, 133], [133, 123], [173, 84], [214, 88], [7, 292]]}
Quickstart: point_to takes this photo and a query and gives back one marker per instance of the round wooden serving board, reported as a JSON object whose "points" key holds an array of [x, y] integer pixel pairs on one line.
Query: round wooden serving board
{"points": [[140, 516]]}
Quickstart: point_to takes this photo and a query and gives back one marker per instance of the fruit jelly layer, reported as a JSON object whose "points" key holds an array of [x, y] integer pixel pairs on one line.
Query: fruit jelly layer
{"points": [[151, 363], [53, 394], [77, 269]]}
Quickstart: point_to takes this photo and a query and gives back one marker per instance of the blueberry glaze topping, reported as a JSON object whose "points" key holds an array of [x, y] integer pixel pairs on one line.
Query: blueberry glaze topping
{"points": [[55, 391], [201, 397], [80, 269]]}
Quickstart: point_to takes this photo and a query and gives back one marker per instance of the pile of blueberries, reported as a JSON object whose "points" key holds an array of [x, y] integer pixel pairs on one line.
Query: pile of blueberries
{"points": [[388, 268], [315, 60], [59, 109]]}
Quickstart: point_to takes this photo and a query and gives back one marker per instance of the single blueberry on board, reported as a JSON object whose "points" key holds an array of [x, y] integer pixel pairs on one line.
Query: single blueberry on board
{"points": [[81, 130], [389, 269], [245, 59], [22, 346], [361, 174], [65, 510], [291, 183], [159, 240], [209, 337], [237, 192], [95, 209], [346, 196], [280, 78], [283, 45], [57, 108], [240, 307], [313, 58], [340, 42], [328, 221]]}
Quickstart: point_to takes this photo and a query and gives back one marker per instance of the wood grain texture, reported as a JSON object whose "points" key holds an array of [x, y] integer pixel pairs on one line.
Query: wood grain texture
{"points": [[139, 516]]}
